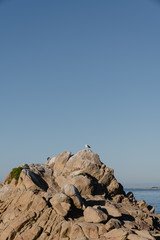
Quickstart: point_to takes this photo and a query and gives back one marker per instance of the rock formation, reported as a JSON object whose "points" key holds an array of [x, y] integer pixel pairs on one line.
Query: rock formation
{"points": [[72, 197]]}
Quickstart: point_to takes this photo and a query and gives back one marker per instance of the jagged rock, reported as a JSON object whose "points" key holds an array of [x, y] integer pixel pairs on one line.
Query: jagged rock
{"points": [[113, 223], [119, 234], [61, 203], [101, 229], [25, 166], [90, 230], [112, 210], [135, 237], [72, 192], [118, 198], [65, 230], [76, 232], [72, 197], [60, 162], [114, 188], [88, 186], [84, 160], [129, 224], [86, 167], [94, 215], [144, 234], [131, 197], [31, 234], [107, 177], [151, 208], [142, 204], [29, 179]]}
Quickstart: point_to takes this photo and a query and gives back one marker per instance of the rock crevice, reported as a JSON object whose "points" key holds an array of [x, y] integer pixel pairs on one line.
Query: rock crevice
{"points": [[72, 197]]}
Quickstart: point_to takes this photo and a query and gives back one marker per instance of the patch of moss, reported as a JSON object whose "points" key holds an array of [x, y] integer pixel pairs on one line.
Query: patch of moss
{"points": [[15, 173], [81, 174]]}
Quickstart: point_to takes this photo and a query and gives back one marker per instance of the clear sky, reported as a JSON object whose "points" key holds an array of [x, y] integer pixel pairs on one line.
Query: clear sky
{"points": [[81, 72]]}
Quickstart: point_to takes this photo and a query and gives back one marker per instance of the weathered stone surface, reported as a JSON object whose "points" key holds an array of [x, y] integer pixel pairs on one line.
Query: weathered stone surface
{"points": [[118, 198], [114, 188], [15, 226], [107, 177], [72, 192], [61, 203], [94, 215], [144, 234], [119, 234], [101, 229], [113, 223], [131, 197], [129, 225], [142, 204], [76, 232], [60, 162], [87, 187], [151, 208], [112, 210], [31, 234], [66, 230], [135, 237], [90, 230], [73, 197], [25, 181], [6, 192]]}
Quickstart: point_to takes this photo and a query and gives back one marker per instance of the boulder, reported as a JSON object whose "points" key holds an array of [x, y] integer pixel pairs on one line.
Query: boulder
{"points": [[60, 162], [114, 188], [135, 237], [131, 197], [31, 234], [84, 160], [107, 177], [142, 204], [61, 204], [112, 210], [119, 234], [113, 223], [65, 230], [76, 232], [29, 179], [72, 197], [90, 230], [94, 215], [72, 192], [88, 186], [129, 225], [144, 234]]}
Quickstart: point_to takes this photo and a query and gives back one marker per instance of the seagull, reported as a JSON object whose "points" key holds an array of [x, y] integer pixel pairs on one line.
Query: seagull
{"points": [[87, 146]]}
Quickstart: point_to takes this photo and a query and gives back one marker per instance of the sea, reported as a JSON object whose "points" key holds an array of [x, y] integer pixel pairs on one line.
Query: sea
{"points": [[151, 196]]}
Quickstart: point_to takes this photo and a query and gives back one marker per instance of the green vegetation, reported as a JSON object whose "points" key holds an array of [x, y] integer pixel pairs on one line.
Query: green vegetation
{"points": [[81, 174], [15, 173]]}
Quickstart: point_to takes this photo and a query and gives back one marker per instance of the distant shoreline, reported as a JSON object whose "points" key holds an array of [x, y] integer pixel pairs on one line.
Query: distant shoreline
{"points": [[151, 188]]}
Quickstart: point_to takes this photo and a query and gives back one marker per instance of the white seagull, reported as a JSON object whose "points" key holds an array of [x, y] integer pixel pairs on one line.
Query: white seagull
{"points": [[87, 146]]}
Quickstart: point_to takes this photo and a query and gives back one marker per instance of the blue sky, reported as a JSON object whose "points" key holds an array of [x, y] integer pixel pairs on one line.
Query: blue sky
{"points": [[77, 72]]}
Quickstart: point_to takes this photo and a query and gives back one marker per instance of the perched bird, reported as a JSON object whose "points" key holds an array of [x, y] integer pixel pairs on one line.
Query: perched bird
{"points": [[87, 146]]}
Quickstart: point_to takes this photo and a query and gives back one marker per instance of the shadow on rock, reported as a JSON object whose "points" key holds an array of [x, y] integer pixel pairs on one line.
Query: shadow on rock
{"points": [[75, 213], [38, 181], [92, 203], [127, 217]]}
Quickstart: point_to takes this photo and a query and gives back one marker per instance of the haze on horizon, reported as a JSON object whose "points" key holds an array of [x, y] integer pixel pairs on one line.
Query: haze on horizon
{"points": [[81, 72]]}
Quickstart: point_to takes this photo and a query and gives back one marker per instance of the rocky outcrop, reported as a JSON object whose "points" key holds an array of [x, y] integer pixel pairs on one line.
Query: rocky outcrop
{"points": [[95, 215], [72, 197]]}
